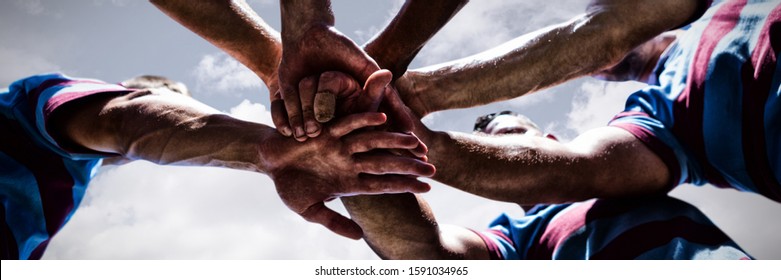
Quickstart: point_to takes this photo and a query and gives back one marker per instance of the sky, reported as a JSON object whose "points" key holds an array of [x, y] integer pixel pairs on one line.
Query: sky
{"points": [[144, 211]]}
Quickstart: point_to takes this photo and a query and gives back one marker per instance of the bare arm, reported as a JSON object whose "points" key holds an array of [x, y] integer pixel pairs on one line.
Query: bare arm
{"points": [[417, 21], [592, 41], [604, 162], [168, 128], [234, 27], [402, 226]]}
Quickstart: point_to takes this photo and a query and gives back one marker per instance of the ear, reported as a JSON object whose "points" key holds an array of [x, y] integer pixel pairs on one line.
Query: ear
{"points": [[551, 136]]}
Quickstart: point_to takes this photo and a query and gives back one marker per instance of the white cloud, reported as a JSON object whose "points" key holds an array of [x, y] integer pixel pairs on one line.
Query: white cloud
{"points": [[253, 112], [597, 103], [23, 64], [485, 24], [221, 74], [145, 211]]}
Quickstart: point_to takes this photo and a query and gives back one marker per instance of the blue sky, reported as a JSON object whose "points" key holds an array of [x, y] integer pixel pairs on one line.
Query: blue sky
{"points": [[144, 211]]}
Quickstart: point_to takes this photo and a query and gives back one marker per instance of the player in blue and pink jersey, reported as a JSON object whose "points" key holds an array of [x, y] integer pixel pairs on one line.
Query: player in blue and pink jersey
{"points": [[655, 227], [710, 113], [713, 115], [55, 131]]}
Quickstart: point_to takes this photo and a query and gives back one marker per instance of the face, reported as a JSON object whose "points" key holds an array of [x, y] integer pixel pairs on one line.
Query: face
{"points": [[509, 124]]}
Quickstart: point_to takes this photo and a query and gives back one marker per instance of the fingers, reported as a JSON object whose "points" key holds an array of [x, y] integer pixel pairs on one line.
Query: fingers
{"points": [[333, 85], [293, 107], [325, 106], [319, 213], [279, 115], [306, 89], [421, 150], [371, 140], [349, 123], [397, 110], [381, 184], [375, 88], [384, 163]]}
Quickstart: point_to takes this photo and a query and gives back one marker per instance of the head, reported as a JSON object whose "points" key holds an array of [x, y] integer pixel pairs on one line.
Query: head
{"points": [[152, 81], [638, 64], [508, 122]]}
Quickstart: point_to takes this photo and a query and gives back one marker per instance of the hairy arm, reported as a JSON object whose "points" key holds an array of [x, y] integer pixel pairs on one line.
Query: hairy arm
{"points": [[402, 226], [417, 21], [167, 128], [234, 27], [592, 41], [604, 162], [162, 127]]}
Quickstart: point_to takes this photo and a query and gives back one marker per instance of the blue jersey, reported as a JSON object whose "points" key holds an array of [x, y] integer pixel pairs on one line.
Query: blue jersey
{"points": [[715, 114], [42, 180], [647, 228]]}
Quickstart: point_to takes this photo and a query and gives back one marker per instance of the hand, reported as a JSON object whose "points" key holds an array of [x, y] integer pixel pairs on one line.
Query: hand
{"points": [[343, 162], [351, 99], [318, 49]]}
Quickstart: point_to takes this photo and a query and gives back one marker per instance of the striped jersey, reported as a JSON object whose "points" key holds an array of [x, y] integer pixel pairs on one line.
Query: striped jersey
{"points": [[714, 115], [41, 180], [647, 228]]}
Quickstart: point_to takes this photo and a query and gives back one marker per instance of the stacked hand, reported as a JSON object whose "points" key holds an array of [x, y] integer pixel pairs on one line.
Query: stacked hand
{"points": [[348, 157], [319, 49], [360, 151]]}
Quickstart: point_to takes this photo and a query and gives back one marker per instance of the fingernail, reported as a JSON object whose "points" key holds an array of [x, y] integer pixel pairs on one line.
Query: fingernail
{"points": [[312, 128], [286, 131], [299, 132], [325, 104]]}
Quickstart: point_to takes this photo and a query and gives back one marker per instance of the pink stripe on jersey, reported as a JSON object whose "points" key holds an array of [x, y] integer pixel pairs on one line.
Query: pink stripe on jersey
{"points": [[559, 230], [493, 249], [688, 108]]}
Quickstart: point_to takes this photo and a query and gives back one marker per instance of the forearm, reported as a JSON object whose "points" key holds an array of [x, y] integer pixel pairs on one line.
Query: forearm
{"points": [[417, 21], [207, 140], [396, 226], [402, 226], [234, 27], [510, 169], [587, 43], [606, 162], [165, 128]]}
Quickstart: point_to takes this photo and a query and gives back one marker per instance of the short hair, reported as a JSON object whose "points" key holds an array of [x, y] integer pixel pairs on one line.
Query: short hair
{"points": [[482, 121], [153, 81]]}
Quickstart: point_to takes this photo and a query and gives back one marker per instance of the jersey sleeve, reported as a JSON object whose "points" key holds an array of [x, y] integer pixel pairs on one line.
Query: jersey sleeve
{"points": [[37, 97], [648, 116], [517, 239]]}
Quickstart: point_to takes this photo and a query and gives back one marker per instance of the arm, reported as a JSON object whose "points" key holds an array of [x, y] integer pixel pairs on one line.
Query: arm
{"points": [[312, 46], [417, 21], [168, 128], [393, 48], [234, 27], [402, 226], [605, 162], [592, 41]]}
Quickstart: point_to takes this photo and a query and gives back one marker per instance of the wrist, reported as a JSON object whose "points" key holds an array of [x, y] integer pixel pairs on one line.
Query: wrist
{"points": [[271, 147], [415, 93], [298, 16]]}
